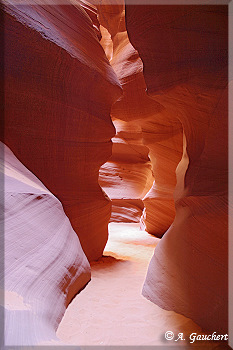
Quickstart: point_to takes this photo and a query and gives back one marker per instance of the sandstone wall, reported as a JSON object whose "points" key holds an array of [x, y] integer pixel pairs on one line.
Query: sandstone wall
{"points": [[158, 141], [44, 263], [58, 97], [184, 52], [127, 176]]}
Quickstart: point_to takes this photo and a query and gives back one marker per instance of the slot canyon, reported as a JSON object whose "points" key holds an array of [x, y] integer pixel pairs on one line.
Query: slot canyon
{"points": [[115, 165]]}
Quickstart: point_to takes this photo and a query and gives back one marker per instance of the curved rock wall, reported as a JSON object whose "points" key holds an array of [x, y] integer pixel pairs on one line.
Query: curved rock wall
{"points": [[164, 138], [127, 176], [184, 51], [158, 135], [44, 263], [57, 109], [57, 121]]}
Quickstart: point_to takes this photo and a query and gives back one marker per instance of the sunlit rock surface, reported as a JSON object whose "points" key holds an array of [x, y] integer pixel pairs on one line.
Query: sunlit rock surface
{"points": [[164, 138], [127, 176], [184, 51], [58, 96], [147, 136], [45, 266]]}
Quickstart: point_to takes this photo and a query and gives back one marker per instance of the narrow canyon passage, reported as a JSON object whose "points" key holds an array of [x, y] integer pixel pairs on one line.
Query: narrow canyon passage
{"points": [[115, 119], [111, 309]]}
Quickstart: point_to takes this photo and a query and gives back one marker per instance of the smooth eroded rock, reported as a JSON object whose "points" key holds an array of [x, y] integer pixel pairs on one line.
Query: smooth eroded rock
{"points": [[57, 109], [147, 136], [45, 266], [184, 51]]}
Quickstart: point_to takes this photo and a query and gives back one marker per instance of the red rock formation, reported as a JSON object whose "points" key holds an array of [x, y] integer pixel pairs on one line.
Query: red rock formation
{"points": [[164, 138], [155, 129], [184, 51], [44, 263], [127, 176], [59, 89], [58, 100]]}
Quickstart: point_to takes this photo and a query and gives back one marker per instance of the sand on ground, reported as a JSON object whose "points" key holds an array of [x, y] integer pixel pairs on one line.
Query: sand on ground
{"points": [[111, 309]]}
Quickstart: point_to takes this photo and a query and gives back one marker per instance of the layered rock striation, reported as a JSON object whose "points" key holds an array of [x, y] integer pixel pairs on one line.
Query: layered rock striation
{"points": [[158, 141], [184, 52], [127, 176], [170, 143], [44, 263], [58, 96]]}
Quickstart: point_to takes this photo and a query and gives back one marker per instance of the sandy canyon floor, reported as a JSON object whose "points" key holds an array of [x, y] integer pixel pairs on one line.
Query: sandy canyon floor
{"points": [[111, 309]]}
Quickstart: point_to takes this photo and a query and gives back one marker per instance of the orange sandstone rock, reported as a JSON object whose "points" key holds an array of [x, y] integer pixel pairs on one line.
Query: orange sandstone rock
{"points": [[157, 130], [45, 266], [57, 109], [164, 137], [127, 176], [184, 51]]}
